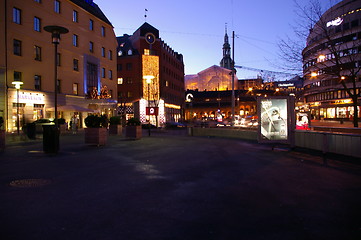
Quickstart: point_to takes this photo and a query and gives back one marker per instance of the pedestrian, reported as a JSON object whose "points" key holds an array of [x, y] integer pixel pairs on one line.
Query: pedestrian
{"points": [[74, 124]]}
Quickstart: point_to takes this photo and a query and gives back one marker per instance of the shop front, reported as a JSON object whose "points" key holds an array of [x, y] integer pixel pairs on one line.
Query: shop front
{"points": [[24, 107]]}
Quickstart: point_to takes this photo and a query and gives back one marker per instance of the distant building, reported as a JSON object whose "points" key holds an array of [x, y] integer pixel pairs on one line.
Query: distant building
{"points": [[86, 60], [214, 78], [150, 74]]}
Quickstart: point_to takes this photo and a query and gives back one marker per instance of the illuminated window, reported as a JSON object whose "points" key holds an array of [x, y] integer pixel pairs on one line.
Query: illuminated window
{"points": [[129, 94], [37, 24], [91, 25], [120, 53], [57, 6], [75, 89], [75, 16], [120, 80], [75, 40], [146, 52], [17, 15], [130, 52]]}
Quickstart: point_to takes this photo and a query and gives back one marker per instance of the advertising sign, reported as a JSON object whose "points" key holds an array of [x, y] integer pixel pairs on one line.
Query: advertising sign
{"points": [[152, 111], [274, 119], [303, 120]]}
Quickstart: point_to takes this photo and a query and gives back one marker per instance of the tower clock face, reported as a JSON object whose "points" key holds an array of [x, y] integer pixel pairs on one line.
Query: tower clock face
{"points": [[150, 38]]}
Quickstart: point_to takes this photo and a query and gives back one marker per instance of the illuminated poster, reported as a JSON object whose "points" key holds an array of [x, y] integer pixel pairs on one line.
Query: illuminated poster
{"points": [[303, 120], [274, 119]]}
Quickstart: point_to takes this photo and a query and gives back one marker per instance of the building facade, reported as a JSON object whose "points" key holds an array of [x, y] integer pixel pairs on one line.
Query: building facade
{"points": [[333, 57], [150, 77], [86, 60]]}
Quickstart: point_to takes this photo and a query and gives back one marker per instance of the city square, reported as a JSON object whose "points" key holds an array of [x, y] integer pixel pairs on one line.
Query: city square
{"points": [[173, 186]]}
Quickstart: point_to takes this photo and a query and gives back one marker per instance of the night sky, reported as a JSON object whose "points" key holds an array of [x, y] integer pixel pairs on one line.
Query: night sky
{"points": [[196, 28]]}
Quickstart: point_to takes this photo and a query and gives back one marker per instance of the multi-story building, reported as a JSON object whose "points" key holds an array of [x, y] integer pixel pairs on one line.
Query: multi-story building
{"points": [[150, 77], [86, 60], [333, 57]]}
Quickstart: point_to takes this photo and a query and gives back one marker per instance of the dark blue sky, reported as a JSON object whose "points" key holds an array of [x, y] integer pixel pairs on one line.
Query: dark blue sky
{"points": [[196, 28]]}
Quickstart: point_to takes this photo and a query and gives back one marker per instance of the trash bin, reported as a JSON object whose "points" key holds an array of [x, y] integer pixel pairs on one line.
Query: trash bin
{"points": [[50, 139], [30, 129]]}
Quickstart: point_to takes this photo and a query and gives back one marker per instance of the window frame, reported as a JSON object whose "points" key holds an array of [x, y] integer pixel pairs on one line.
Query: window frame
{"points": [[37, 79], [76, 64], [91, 46], [75, 40], [17, 49], [16, 15], [75, 16], [91, 24], [37, 24], [37, 53], [57, 6]]}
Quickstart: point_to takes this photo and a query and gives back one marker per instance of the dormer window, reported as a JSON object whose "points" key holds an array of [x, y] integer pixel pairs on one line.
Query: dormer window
{"points": [[130, 52], [120, 53]]}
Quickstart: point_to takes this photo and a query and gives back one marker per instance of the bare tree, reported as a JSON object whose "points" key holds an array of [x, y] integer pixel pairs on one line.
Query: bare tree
{"points": [[331, 56]]}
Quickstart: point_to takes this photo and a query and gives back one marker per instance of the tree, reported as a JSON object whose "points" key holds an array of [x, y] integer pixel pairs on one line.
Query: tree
{"points": [[332, 54]]}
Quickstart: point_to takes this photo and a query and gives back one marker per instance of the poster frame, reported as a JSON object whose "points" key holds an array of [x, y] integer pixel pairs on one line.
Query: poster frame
{"points": [[290, 121]]}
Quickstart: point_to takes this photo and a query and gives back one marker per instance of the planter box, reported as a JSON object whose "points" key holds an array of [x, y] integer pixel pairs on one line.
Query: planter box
{"points": [[134, 132], [2, 140], [96, 136], [115, 129]]}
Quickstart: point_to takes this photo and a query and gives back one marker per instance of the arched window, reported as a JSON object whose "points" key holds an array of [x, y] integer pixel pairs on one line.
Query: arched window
{"points": [[130, 52]]}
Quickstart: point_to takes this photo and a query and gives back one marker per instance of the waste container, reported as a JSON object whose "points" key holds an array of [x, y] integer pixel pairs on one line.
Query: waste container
{"points": [[30, 129], [50, 139]]}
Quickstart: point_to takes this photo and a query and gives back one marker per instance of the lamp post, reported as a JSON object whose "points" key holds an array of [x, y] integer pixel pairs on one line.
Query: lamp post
{"points": [[148, 80], [17, 85], [55, 31]]}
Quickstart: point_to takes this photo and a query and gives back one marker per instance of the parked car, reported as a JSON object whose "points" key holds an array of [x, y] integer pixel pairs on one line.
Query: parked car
{"points": [[174, 125], [40, 123]]}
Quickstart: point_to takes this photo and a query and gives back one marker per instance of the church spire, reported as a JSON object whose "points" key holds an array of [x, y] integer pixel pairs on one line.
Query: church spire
{"points": [[226, 60]]}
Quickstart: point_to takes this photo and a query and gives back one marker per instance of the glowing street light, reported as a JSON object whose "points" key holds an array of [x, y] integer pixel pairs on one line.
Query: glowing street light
{"points": [[148, 80], [17, 85]]}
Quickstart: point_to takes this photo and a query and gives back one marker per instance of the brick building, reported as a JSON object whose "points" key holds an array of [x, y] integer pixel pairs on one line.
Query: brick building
{"points": [[150, 75]]}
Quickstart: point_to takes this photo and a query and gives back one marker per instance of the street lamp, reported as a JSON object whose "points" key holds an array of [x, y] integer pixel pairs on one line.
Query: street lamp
{"points": [[148, 80], [55, 31], [17, 85]]}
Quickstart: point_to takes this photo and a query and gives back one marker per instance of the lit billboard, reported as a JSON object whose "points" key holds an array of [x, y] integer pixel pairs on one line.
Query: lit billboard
{"points": [[275, 119]]}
